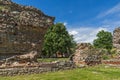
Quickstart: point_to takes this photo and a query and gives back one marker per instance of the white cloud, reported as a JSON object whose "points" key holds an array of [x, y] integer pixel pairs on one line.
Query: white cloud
{"points": [[113, 10], [85, 34], [73, 32], [111, 24], [65, 23]]}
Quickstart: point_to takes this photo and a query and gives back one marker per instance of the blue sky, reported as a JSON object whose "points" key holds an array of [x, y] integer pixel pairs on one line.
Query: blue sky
{"points": [[83, 18]]}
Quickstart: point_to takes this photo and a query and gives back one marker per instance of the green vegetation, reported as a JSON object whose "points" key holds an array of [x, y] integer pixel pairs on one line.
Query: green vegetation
{"points": [[104, 40], [52, 59], [58, 42], [92, 73]]}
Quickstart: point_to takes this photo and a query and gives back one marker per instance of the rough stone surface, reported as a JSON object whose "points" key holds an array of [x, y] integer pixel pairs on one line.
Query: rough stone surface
{"points": [[85, 55], [20, 60], [112, 62], [22, 28], [48, 67], [116, 39]]}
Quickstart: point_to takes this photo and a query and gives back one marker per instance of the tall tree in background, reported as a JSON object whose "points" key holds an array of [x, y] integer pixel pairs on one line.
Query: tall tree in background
{"points": [[57, 40], [104, 40]]}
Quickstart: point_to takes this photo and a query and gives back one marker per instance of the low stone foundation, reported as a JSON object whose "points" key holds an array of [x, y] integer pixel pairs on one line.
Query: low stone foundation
{"points": [[46, 67], [114, 62]]}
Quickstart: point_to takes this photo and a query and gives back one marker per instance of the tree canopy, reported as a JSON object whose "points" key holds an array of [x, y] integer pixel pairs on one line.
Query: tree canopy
{"points": [[58, 40], [104, 40]]}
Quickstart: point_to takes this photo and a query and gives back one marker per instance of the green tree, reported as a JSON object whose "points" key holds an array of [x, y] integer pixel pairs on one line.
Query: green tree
{"points": [[58, 40], [104, 40]]}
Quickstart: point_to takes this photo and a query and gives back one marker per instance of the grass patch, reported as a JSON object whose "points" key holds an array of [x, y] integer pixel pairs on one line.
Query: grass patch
{"points": [[52, 59], [91, 73]]}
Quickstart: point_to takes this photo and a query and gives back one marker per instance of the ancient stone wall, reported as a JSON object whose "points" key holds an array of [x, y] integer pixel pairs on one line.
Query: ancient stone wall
{"points": [[116, 39], [85, 55], [22, 28], [48, 67]]}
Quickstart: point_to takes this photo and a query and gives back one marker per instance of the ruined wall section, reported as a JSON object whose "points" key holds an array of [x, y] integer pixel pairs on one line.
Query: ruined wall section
{"points": [[116, 39], [22, 28], [41, 68], [85, 55]]}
